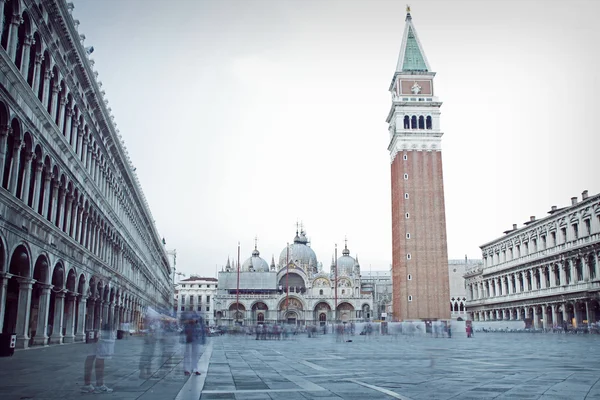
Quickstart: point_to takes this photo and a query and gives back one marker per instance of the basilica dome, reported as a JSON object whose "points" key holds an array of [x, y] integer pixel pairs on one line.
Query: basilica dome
{"points": [[346, 263], [255, 263], [299, 253]]}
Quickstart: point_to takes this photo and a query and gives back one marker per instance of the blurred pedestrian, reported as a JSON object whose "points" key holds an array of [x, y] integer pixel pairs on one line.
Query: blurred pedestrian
{"points": [[194, 333], [102, 350]]}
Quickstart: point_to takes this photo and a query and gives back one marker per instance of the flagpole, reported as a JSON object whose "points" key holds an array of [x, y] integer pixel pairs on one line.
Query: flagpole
{"points": [[336, 285], [237, 293], [287, 278]]}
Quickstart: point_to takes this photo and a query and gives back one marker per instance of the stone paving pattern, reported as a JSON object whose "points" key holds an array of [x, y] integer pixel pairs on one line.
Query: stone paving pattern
{"points": [[490, 366]]}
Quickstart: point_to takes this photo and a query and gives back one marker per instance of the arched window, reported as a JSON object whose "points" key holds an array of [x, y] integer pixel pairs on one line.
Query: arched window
{"points": [[428, 122], [461, 307], [260, 317], [421, 122], [456, 307], [321, 292], [406, 122], [413, 122], [451, 307]]}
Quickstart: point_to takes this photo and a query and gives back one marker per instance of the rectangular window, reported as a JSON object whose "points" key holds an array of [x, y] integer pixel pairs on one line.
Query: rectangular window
{"points": [[534, 245], [563, 232], [199, 308], [182, 308], [543, 243], [208, 299], [588, 227], [207, 308], [575, 231], [192, 299], [553, 238], [406, 195]]}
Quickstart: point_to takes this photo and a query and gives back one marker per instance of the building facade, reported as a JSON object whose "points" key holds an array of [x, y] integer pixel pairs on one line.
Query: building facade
{"points": [[379, 285], [420, 256], [545, 273], [196, 294], [458, 291], [78, 244], [296, 290]]}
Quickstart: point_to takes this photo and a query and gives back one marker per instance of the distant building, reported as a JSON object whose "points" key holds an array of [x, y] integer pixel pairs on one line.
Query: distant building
{"points": [[545, 273], [296, 290], [419, 248], [196, 294], [379, 285], [458, 291]]}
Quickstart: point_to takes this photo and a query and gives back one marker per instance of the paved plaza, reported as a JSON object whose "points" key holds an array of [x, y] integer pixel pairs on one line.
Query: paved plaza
{"points": [[489, 366]]}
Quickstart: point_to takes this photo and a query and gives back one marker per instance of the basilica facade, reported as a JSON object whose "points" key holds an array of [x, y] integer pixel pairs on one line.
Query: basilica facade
{"points": [[295, 290], [78, 244]]}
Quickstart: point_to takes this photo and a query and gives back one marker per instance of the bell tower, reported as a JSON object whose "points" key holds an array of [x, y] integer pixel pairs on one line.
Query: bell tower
{"points": [[420, 256]]}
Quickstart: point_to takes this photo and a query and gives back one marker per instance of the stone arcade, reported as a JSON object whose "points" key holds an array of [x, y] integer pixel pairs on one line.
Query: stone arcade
{"points": [[78, 245]]}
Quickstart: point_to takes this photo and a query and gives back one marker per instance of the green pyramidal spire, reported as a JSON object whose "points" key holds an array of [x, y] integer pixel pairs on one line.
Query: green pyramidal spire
{"points": [[412, 57]]}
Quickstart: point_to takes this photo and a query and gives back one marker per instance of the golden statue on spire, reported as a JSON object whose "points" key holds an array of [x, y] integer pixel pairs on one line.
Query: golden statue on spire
{"points": [[407, 9]]}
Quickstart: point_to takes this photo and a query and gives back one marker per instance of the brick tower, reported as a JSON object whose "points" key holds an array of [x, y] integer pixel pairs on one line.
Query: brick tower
{"points": [[420, 256]]}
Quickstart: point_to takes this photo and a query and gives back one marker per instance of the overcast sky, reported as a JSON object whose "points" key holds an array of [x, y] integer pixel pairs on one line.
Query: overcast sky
{"points": [[245, 116]]}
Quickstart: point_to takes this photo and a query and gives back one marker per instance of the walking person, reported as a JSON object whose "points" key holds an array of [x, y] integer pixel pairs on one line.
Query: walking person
{"points": [[195, 337], [102, 350]]}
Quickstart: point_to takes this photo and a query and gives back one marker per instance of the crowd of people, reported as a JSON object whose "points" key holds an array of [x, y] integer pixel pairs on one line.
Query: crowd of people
{"points": [[163, 336]]}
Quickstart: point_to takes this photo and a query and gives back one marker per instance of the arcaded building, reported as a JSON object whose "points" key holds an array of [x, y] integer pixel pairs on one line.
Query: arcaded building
{"points": [[295, 290], [545, 273], [78, 244], [419, 249]]}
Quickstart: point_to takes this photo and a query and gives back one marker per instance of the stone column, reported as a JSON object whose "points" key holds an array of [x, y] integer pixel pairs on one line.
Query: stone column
{"points": [[69, 209], [63, 208], [75, 137], [61, 115], [41, 335], [552, 276], [13, 36], [24, 195], [70, 318], [24, 308], [75, 220], [67, 128], [91, 314], [24, 67], [37, 185], [584, 267], [555, 321], [46, 201], [4, 277], [59, 308], [81, 145], [56, 188], [81, 328], [14, 168], [46, 95], [36, 73], [111, 314], [518, 314], [5, 130], [54, 108], [541, 271], [545, 317]]}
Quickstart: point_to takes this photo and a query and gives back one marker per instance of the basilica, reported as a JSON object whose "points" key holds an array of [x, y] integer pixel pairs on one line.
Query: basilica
{"points": [[296, 290]]}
